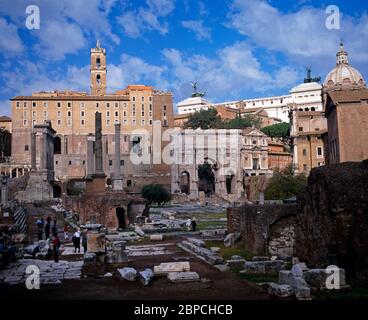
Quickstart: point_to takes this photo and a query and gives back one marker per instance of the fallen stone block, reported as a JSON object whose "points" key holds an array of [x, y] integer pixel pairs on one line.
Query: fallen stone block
{"points": [[222, 267], [165, 267], [128, 273], [89, 256], [215, 249], [236, 257], [139, 231], [235, 264], [261, 258], [156, 237], [284, 291], [146, 276], [297, 270], [284, 276], [317, 277], [264, 267], [176, 277], [231, 239], [197, 242], [32, 248]]}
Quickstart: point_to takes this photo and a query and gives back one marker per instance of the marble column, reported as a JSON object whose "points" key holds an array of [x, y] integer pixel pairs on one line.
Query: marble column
{"points": [[98, 145], [44, 151], [117, 180], [33, 151], [90, 155]]}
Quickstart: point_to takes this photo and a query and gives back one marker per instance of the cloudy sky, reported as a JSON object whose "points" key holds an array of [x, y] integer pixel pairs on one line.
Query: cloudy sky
{"points": [[234, 48]]}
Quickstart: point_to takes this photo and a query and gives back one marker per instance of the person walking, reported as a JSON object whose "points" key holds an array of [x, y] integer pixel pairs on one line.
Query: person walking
{"points": [[189, 224], [54, 229], [194, 224], [84, 241], [56, 247], [47, 230], [39, 229], [66, 230], [76, 241]]}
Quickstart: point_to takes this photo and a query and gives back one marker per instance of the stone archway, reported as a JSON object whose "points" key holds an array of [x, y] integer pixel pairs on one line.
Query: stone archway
{"points": [[185, 182], [56, 191], [206, 178], [120, 214], [281, 237]]}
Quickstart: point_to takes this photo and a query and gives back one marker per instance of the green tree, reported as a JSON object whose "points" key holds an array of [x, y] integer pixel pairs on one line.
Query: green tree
{"points": [[155, 193], [204, 119], [279, 130], [284, 184], [243, 122]]}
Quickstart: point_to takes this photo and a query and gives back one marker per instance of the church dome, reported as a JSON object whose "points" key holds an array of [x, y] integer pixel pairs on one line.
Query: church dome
{"points": [[344, 74]]}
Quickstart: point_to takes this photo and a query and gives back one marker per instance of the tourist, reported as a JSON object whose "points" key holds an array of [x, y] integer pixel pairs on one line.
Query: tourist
{"points": [[189, 224], [66, 230], [47, 230], [56, 246], [76, 241], [84, 241], [194, 224], [48, 219], [54, 229], [55, 222]]}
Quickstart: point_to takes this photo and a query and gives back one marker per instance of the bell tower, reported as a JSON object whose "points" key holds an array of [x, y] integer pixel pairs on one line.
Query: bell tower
{"points": [[98, 70]]}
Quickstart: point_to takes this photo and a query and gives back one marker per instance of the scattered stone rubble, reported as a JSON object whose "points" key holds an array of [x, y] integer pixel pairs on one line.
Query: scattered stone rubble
{"points": [[300, 281], [176, 277], [163, 269], [50, 271], [197, 247], [129, 274]]}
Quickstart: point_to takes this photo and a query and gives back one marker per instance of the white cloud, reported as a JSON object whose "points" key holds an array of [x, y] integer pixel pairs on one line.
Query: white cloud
{"points": [[234, 71], [65, 25], [147, 18], [9, 39], [201, 32]]}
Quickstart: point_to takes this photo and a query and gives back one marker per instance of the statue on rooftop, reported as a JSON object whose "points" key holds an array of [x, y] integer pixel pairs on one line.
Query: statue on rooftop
{"points": [[309, 78], [195, 91]]}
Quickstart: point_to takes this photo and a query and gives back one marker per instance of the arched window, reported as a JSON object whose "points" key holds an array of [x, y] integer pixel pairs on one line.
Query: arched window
{"points": [[98, 79], [98, 62]]}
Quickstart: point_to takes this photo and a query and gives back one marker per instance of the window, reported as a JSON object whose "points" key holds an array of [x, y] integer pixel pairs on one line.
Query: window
{"points": [[304, 152], [97, 105], [164, 108], [107, 122], [81, 104], [133, 122], [25, 113], [24, 122], [70, 162], [59, 104], [150, 122], [116, 113], [69, 122], [124, 113], [18, 104], [121, 162], [143, 122], [165, 123], [125, 122], [45, 104], [34, 114], [142, 99], [82, 122], [129, 183], [150, 98], [98, 62], [116, 105], [69, 104], [107, 105], [254, 141], [24, 104], [98, 79], [45, 114], [150, 107], [110, 163], [107, 113], [82, 113], [59, 113], [305, 167], [116, 121], [59, 122], [26, 147], [319, 152], [133, 98], [300, 129], [69, 114]]}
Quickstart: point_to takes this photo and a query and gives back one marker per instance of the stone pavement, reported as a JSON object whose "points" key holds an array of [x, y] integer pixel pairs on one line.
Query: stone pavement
{"points": [[50, 271]]}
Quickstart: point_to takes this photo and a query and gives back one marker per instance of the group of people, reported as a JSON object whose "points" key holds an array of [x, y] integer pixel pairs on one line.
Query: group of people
{"points": [[55, 243], [191, 224]]}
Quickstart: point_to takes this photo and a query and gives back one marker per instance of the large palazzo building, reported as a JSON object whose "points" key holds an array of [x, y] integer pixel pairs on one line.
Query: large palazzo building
{"points": [[72, 115]]}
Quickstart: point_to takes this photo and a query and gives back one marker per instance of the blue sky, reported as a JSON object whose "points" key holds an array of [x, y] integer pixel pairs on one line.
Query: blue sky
{"points": [[234, 48]]}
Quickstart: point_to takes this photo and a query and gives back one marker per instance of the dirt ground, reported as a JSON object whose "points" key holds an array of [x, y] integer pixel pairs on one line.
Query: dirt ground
{"points": [[214, 284]]}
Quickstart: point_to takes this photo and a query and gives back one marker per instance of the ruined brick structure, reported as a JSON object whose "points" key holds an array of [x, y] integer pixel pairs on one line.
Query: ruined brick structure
{"points": [[265, 229], [333, 218]]}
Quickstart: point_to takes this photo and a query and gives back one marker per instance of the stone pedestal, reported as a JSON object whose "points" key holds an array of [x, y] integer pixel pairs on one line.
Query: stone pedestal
{"points": [[96, 242], [38, 187], [117, 184]]}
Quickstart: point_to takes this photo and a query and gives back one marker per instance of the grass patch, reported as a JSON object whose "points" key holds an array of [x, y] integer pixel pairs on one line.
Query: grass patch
{"points": [[227, 253], [204, 225], [258, 278]]}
